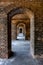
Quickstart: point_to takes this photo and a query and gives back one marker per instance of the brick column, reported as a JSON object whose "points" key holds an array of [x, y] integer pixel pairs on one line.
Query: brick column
{"points": [[4, 51], [13, 31], [28, 31]]}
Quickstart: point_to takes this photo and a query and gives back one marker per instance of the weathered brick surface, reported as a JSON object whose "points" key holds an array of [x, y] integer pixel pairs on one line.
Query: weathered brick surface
{"points": [[22, 0], [13, 31], [4, 51], [3, 36], [39, 37]]}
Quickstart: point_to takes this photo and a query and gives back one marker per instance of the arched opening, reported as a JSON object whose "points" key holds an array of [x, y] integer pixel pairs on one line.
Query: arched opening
{"points": [[21, 29], [29, 16]]}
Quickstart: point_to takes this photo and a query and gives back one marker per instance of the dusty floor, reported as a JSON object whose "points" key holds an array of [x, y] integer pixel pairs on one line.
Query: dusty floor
{"points": [[21, 55]]}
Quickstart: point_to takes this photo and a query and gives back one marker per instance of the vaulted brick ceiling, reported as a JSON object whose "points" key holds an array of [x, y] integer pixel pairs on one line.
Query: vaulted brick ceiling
{"points": [[4, 4], [20, 16], [20, 0]]}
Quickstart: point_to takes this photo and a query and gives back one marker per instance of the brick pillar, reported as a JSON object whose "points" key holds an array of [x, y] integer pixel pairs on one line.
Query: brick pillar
{"points": [[39, 38], [28, 31], [4, 51], [13, 31]]}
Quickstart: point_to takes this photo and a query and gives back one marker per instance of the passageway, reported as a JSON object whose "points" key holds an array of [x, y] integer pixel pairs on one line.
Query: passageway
{"points": [[22, 55], [21, 36]]}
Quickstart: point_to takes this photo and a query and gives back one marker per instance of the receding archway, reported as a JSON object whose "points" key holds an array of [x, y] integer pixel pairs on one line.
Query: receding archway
{"points": [[21, 31], [30, 15]]}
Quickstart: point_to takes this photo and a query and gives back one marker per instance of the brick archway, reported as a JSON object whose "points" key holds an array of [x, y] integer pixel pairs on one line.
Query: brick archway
{"points": [[21, 26], [13, 8], [21, 29], [30, 15]]}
